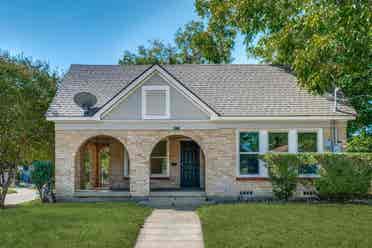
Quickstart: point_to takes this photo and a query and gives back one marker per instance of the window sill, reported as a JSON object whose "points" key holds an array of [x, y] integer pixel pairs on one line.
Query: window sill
{"points": [[156, 117], [252, 178], [160, 177]]}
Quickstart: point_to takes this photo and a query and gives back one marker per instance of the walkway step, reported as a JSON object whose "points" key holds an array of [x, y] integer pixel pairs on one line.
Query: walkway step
{"points": [[171, 228]]}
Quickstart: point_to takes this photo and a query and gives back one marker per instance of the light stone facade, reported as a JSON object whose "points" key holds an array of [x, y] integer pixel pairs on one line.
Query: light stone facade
{"points": [[219, 154], [219, 147]]}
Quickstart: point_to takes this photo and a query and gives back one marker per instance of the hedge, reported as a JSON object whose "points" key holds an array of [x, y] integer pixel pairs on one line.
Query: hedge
{"points": [[342, 175]]}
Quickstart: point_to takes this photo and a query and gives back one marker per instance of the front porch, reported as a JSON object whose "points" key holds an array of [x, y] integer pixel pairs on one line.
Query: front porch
{"points": [[103, 168]]}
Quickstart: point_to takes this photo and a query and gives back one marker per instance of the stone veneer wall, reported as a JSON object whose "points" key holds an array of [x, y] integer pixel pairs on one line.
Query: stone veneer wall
{"points": [[219, 146], [220, 154]]}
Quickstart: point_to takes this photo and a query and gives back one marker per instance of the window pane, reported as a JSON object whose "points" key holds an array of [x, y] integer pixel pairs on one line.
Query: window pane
{"points": [[160, 150], [278, 142], [307, 142], [308, 169], [159, 166], [249, 142], [249, 164]]}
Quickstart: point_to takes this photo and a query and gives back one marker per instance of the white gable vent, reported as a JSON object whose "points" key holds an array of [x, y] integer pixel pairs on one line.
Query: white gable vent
{"points": [[155, 102]]}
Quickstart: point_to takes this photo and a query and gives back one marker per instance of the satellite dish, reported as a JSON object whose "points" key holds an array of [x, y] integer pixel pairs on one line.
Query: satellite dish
{"points": [[85, 100]]}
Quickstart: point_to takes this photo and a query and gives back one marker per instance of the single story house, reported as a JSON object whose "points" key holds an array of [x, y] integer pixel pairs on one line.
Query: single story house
{"points": [[184, 128]]}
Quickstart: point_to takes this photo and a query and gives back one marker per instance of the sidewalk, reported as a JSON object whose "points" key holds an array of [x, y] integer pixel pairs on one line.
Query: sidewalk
{"points": [[22, 195], [169, 228]]}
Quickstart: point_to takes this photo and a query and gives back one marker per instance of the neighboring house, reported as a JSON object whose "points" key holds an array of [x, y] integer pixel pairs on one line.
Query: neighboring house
{"points": [[189, 127]]}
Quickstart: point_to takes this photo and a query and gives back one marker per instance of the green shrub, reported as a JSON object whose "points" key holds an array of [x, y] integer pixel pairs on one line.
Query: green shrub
{"points": [[360, 143], [344, 176], [42, 176], [283, 170]]}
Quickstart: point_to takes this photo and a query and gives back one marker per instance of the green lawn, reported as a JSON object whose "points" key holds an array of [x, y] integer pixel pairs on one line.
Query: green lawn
{"points": [[11, 191], [287, 225], [71, 225]]}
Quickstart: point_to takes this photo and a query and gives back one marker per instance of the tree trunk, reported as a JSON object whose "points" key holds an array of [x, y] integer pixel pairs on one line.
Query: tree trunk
{"points": [[40, 190], [5, 180], [2, 198]]}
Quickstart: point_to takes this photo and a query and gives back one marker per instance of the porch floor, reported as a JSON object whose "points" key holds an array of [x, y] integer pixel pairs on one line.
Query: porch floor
{"points": [[105, 193]]}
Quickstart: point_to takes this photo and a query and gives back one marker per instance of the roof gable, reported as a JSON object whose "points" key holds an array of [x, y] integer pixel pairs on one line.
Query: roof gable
{"points": [[130, 106], [141, 79]]}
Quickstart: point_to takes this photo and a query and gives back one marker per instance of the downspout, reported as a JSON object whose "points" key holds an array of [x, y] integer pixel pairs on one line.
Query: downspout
{"points": [[333, 122], [333, 135]]}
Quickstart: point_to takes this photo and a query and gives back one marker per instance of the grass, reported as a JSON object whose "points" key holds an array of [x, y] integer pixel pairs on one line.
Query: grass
{"points": [[71, 225], [286, 225], [12, 191]]}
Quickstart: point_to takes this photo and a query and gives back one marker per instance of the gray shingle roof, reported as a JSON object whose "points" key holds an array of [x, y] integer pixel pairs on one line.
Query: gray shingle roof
{"points": [[231, 90]]}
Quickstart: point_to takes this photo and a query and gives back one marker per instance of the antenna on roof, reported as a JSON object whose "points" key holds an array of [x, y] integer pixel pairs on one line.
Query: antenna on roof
{"points": [[85, 100]]}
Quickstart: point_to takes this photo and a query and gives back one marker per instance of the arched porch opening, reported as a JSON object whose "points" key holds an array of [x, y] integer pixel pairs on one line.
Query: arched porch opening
{"points": [[102, 163], [177, 162]]}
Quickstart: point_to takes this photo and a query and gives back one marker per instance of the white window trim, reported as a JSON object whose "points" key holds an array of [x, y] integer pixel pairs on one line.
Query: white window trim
{"points": [[167, 102], [319, 147], [167, 174], [262, 143], [264, 147]]}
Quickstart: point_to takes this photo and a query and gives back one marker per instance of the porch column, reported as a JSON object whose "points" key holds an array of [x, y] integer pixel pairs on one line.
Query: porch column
{"points": [[139, 169], [65, 167]]}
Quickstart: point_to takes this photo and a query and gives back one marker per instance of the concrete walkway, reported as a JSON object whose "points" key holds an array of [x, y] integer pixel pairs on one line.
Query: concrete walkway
{"points": [[22, 195], [169, 228]]}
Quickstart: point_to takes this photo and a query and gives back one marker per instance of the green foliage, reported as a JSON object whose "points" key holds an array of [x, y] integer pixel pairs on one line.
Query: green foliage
{"points": [[26, 89], [360, 143], [326, 44], [283, 170], [194, 44], [42, 174], [344, 176]]}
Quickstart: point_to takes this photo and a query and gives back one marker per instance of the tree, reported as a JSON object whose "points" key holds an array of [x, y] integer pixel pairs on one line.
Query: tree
{"points": [[326, 44], [7, 172], [26, 89], [194, 44], [42, 176], [362, 142], [156, 53], [198, 45]]}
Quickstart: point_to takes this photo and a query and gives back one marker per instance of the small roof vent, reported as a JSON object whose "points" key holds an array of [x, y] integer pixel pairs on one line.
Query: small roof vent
{"points": [[86, 101]]}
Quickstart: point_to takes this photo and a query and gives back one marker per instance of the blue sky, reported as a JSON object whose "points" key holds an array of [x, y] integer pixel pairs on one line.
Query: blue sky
{"points": [[91, 32]]}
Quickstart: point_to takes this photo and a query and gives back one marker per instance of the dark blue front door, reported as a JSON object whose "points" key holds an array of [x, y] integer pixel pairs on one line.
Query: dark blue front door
{"points": [[190, 164]]}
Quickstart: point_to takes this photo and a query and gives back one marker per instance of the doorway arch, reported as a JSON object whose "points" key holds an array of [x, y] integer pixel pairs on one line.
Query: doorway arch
{"points": [[102, 162], [177, 162]]}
